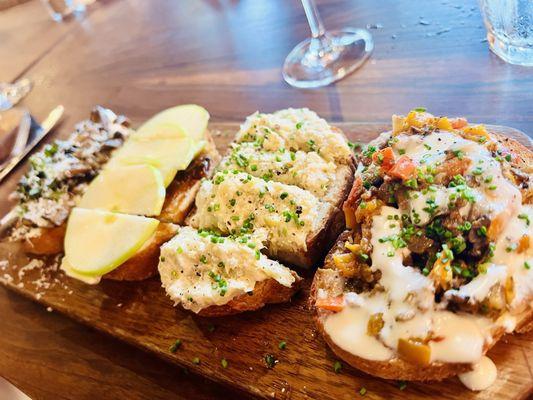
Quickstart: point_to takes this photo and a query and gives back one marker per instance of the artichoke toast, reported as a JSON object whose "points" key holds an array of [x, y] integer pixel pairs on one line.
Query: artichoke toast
{"points": [[436, 264]]}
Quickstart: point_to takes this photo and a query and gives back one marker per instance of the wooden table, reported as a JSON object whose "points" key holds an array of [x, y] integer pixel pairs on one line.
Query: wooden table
{"points": [[139, 56]]}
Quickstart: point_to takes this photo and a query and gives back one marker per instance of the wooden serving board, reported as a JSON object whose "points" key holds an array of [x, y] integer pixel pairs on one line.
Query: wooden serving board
{"points": [[140, 314]]}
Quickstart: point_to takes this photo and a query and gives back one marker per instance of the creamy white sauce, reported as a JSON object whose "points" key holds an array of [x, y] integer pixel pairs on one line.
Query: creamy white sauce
{"points": [[496, 194], [427, 149], [399, 280], [348, 328], [482, 376], [506, 251], [507, 321], [461, 340], [306, 170], [440, 197], [479, 287]]}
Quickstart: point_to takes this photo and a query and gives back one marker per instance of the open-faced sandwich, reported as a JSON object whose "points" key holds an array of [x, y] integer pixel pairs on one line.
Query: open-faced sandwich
{"points": [[109, 196], [276, 195], [436, 264]]}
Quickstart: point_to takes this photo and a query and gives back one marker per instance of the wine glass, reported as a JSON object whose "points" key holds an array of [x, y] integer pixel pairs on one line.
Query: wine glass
{"points": [[326, 57]]}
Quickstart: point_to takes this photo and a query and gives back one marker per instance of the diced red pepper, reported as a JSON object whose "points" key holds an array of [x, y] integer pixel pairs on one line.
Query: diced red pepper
{"points": [[458, 123], [404, 168], [384, 158], [334, 304]]}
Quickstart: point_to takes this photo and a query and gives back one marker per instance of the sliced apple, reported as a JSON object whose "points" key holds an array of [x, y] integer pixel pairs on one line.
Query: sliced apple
{"points": [[67, 269], [133, 189], [189, 120], [97, 242], [167, 155]]}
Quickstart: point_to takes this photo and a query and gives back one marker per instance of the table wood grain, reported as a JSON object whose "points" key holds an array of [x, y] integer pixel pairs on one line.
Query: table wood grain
{"points": [[141, 56]]}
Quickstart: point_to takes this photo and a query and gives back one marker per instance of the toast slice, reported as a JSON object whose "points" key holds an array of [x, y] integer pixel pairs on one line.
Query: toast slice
{"points": [[288, 173], [412, 288], [178, 202], [213, 275], [298, 224]]}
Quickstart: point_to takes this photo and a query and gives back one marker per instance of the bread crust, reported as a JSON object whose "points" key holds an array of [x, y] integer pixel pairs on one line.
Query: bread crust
{"points": [[268, 291], [45, 241], [143, 264], [398, 368], [182, 191]]}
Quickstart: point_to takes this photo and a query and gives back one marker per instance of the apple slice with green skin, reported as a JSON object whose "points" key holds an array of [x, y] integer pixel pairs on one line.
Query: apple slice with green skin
{"points": [[67, 269], [133, 189], [185, 120], [168, 155], [97, 242]]}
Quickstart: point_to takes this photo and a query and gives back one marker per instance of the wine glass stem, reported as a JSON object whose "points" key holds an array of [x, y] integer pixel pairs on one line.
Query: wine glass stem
{"points": [[313, 17]]}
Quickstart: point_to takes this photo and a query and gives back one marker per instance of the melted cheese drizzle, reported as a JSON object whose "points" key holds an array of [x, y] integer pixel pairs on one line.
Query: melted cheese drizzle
{"points": [[461, 338], [504, 201], [482, 375], [407, 301]]}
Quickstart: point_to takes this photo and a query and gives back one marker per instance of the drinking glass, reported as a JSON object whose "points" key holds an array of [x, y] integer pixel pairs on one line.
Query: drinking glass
{"points": [[510, 29], [327, 56], [61, 9]]}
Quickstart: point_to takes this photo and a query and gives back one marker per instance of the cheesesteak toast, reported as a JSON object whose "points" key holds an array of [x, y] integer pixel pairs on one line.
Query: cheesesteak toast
{"points": [[436, 265], [277, 193]]}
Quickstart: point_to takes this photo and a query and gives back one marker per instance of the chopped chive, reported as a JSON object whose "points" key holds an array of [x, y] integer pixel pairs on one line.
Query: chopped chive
{"points": [[282, 345], [224, 363], [175, 346], [270, 361], [525, 217], [337, 366]]}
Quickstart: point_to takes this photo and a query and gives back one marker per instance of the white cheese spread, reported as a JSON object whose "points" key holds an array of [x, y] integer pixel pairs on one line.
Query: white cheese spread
{"points": [[238, 202], [199, 269], [295, 129], [306, 170]]}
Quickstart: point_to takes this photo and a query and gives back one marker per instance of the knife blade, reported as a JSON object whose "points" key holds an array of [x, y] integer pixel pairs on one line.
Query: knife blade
{"points": [[10, 391], [47, 125]]}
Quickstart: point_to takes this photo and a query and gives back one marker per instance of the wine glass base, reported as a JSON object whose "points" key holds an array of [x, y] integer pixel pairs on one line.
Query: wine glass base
{"points": [[318, 62]]}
